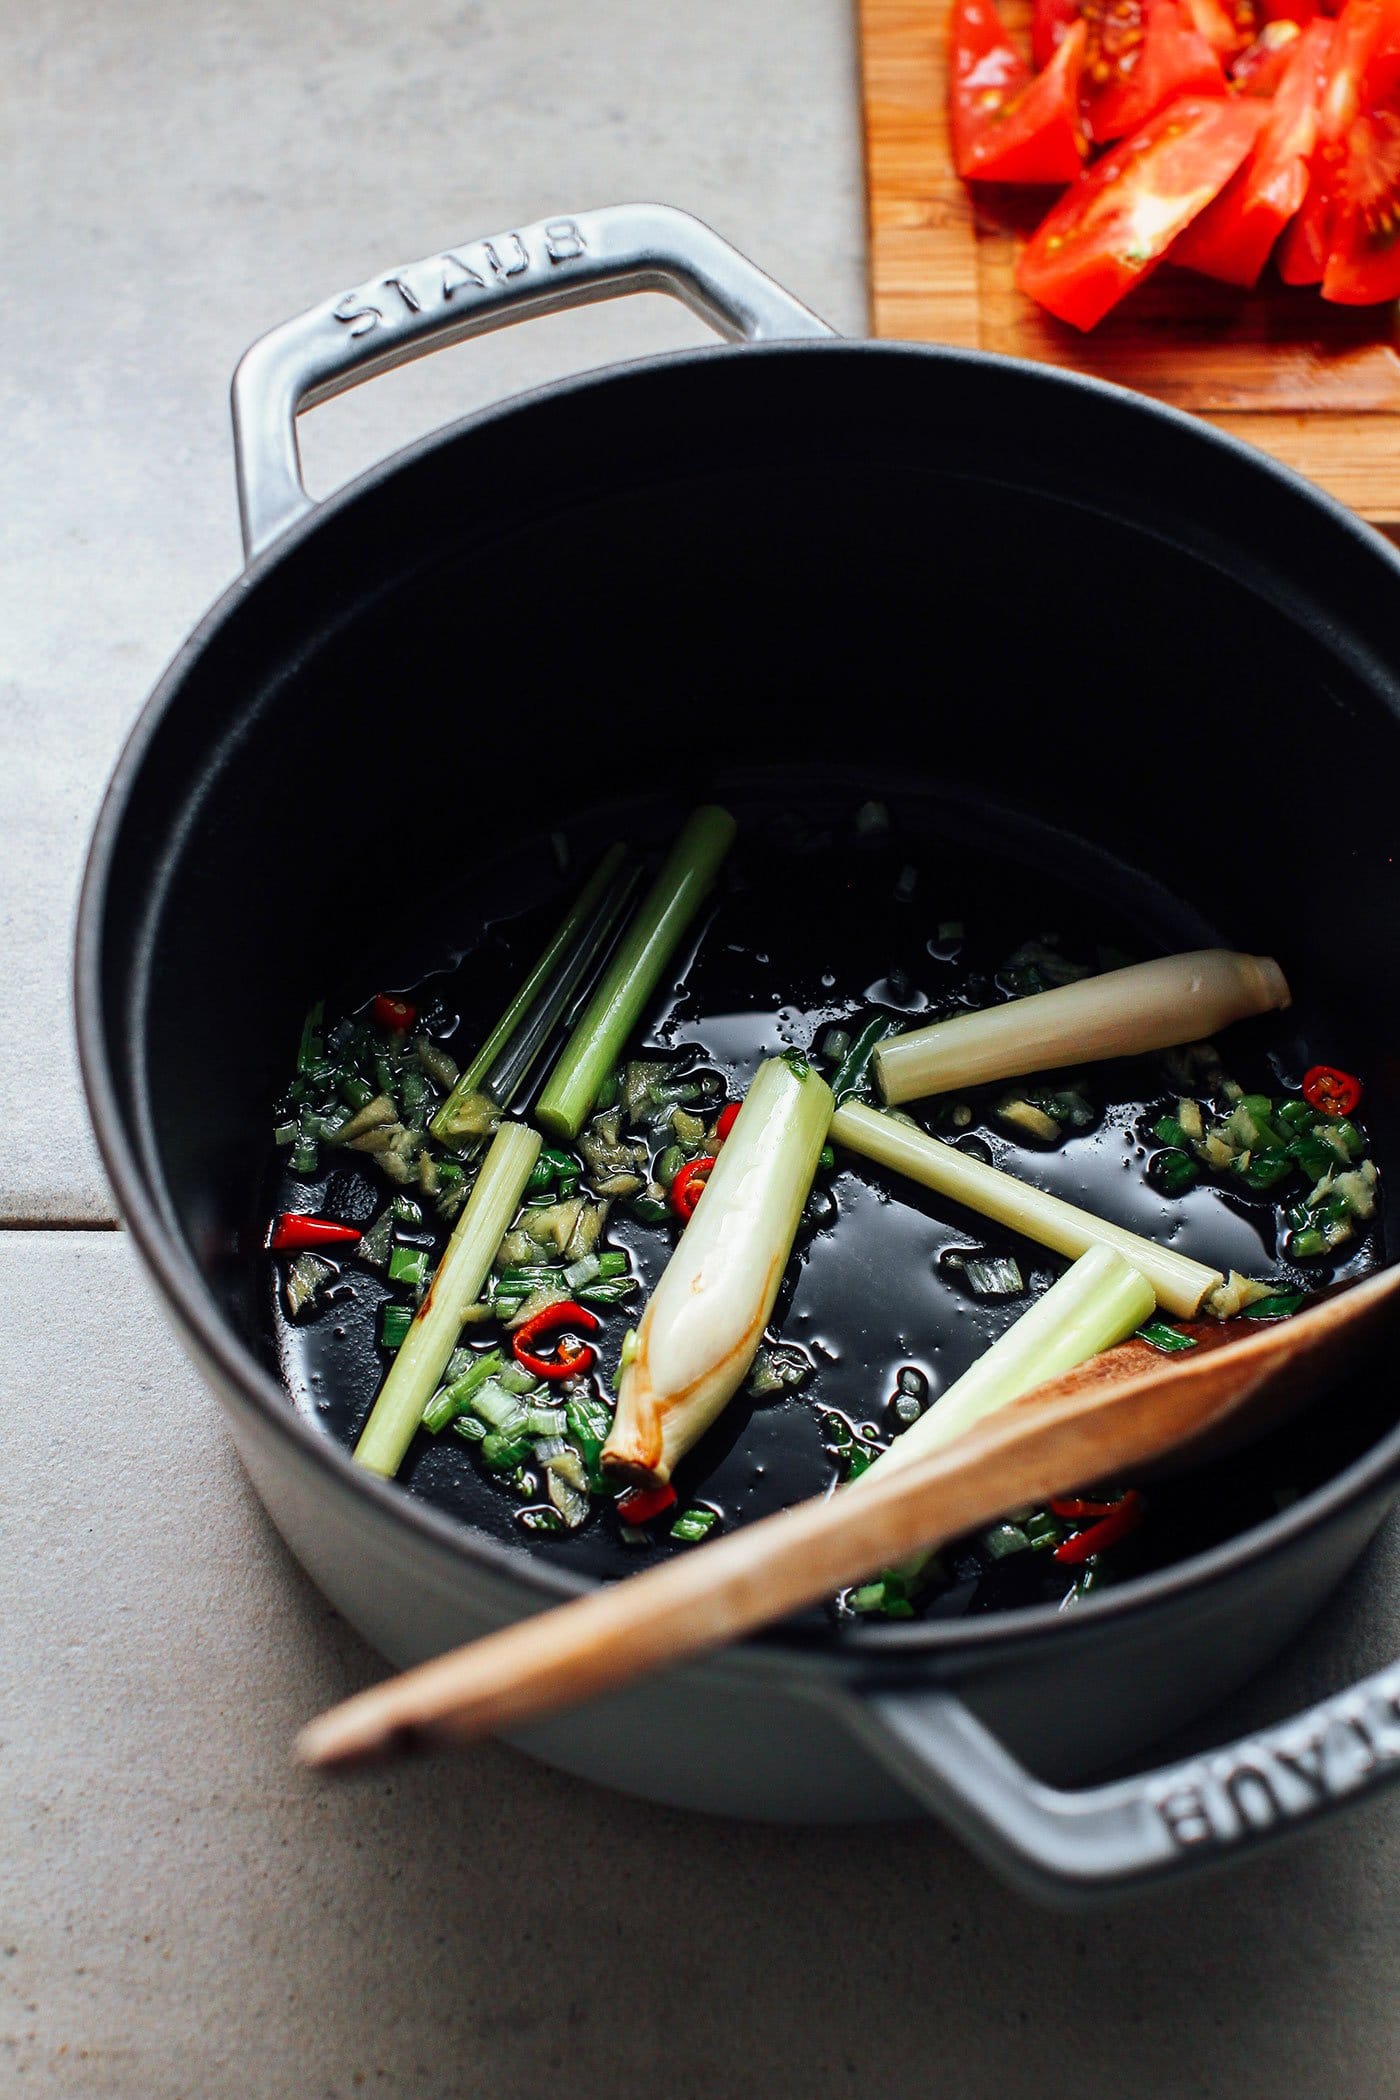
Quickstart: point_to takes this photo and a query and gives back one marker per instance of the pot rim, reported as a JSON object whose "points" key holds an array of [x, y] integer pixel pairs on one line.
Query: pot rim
{"points": [[191, 1302]]}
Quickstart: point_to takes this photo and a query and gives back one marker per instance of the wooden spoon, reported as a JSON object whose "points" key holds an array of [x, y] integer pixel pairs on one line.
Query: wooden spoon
{"points": [[1112, 1418]]}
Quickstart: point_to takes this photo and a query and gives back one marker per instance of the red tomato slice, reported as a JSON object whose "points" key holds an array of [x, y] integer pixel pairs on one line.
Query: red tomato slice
{"points": [[1360, 73], [1259, 70], [1363, 262], [1299, 11], [1050, 24], [1008, 124], [1363, 265], [1226, 29], [1137, 56], [1119, 219], [1233, 237], [1302, 253]]}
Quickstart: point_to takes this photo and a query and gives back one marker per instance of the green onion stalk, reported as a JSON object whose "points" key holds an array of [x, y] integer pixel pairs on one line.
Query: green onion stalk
{"points": [[1148, 1006], [493, 1079], [423, 1355], [705, 1320], [1179, 1284], [632, 976], [1099, 1301]]}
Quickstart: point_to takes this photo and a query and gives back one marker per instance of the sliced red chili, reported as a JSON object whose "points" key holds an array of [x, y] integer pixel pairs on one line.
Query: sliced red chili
{"points": [[639, 1505], [570, 1362], [1330, 1091], [1075, 1509], [1123, 1517], [728, 1117], [689, 1185], [393, 1014], [292, 1230]]}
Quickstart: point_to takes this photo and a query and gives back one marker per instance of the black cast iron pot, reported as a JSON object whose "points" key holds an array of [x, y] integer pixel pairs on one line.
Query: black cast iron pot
{"points": [[863, 559]]}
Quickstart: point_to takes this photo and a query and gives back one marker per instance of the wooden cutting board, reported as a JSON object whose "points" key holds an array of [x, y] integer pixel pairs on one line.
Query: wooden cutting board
{"points": [[1316, 385]]}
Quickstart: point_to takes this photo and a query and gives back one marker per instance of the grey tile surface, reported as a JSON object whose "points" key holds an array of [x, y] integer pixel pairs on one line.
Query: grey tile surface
{"points": [[183, 1915], [176, 180]]}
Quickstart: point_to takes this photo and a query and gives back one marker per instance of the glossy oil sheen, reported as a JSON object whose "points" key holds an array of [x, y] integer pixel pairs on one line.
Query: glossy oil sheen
{"points": [[812, 925]]}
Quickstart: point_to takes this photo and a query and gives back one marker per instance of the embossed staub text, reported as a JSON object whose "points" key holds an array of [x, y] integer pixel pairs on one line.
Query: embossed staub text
{"points": [[459, 278], [1286, 1774]]}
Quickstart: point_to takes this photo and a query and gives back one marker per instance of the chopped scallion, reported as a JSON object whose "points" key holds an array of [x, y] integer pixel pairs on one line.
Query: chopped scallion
{"points": [[994, 1276], [1172, 1171], [1160, 1335], [410, 1265], [1005, 1539], [1280, 1306], [695, 1524], [850, 1075], [394, 1325]]}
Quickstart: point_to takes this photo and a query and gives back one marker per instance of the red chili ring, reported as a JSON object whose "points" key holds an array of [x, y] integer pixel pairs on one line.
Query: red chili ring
{"points": [[551, 1319], [685, 1193], [393, 1014], [1331, 1091], [728, 1117]]}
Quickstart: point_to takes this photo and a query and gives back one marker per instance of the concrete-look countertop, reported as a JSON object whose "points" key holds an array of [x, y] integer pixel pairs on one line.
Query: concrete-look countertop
{"points": [[181, 1913]]}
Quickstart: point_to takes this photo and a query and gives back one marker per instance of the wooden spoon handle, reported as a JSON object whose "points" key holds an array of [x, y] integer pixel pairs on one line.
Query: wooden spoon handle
{"points": [[759, 1574]]}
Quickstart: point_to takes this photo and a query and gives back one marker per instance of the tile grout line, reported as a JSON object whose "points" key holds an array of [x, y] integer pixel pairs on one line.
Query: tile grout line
{"points": [[60, 1225]]}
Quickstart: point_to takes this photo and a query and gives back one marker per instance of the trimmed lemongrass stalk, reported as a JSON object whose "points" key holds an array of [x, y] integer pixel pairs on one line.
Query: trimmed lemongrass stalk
{"points": [[502, 1064], [1097, 1302], [631, 977], [706, 1317], [422, 1356], [1179, 1283], [1148, 1006]]}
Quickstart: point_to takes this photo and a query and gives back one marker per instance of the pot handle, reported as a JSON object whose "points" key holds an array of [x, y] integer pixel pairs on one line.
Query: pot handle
{"points": [[417, 307], [1074, 1847]]}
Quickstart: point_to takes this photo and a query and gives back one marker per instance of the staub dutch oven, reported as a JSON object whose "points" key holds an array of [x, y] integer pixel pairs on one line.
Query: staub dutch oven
{"points": [[822, 559]]}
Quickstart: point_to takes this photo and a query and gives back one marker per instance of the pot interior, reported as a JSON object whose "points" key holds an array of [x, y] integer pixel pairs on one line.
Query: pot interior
{"points": [[1057, 633]]}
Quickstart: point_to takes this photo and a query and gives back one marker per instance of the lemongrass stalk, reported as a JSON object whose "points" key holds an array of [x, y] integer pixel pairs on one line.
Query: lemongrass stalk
{"points": [[1178, 1283], [422, 1356], [705, 1320], [541, 999], [1097, 1302], [1148, 1006], [632, 976]]}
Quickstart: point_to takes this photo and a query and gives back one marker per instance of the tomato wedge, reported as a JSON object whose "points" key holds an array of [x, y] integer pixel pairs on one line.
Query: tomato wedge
{"points": [[1302, 253], [1363, 262], [1233, 237], [1138, 54], [1227, 29], [1050, 24], [1117, 222], [1260, 69], [1359, 74], [1009, 124]]}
